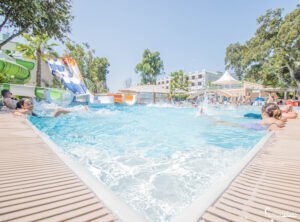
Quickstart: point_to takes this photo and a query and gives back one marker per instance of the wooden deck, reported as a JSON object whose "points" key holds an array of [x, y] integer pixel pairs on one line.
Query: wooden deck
{"points": [[36, 185], [268, 188]]}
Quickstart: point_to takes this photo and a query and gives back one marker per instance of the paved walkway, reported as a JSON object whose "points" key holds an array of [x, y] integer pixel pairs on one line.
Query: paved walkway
{"points": [[35, 184], [268, 189]]}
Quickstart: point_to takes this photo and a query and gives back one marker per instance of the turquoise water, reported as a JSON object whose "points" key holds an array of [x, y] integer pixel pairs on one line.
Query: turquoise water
{"points": [[157, 159]]}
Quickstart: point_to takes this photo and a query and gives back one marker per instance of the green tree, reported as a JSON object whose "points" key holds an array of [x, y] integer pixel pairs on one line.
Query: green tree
{"points": [[150, 67], [94, 69], [38, 48], [234, 59], [179, 83], [37, 17], [272, 55]]}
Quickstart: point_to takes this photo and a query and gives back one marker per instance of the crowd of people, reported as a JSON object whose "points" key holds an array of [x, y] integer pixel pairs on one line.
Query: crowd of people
{"points": [[272, 117]]}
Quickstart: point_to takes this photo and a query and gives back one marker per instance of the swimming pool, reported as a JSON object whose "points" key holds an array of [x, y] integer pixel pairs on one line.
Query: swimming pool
{"points": [[157, 159]]}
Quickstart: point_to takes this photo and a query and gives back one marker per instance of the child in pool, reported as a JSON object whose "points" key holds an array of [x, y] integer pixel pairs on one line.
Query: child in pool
{"points": [[25, 107]]}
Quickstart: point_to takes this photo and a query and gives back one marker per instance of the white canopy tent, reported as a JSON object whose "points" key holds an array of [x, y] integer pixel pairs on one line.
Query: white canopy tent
{"points": [[226, 79]]}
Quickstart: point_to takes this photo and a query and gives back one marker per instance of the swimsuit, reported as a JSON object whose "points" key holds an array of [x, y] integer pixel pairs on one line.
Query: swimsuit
{"points": [[254, 126], [253, 116]]}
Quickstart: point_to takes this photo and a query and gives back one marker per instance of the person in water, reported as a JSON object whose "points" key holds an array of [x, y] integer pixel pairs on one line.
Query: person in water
{"points": [[288, 112], [271, 99], [25, 107], [8, 100], [271, 119], [283, 114], [272, 116]]}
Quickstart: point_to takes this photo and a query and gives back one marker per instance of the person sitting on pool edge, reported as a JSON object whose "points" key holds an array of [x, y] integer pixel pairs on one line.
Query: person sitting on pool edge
{"points": [[25, 107], [8, 100]]}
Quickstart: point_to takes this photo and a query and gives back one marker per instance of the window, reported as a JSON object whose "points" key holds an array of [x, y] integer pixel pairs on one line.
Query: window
{"points": [[167, 81], [199, 83], [199, 76], [158, 83], [193, 84], [193, 77], [162, 82], [167, 87]]}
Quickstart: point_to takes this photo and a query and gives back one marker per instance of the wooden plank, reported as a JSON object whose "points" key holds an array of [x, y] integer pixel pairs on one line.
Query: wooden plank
{"points": [[36, 185], [271, 180]]}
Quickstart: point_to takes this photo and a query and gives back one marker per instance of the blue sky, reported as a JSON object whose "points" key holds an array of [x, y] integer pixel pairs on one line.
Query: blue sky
{"points": [[190, 35]]}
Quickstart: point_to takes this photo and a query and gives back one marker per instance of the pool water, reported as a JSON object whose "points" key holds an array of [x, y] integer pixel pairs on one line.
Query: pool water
{"points": [[157, 159]]}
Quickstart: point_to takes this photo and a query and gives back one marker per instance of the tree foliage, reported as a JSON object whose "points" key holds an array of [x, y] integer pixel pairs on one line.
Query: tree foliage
{"points": [[37, 17], [272, 55], [37, 48], [150, 67], [179, 83], [94, 69]]}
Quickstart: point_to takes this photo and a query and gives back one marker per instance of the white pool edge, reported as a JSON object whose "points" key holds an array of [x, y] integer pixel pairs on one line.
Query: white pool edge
{"points": [[122, 211], [194, 211]]}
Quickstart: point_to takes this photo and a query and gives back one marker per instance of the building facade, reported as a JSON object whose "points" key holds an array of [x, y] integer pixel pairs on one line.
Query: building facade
{"points": [[198, 80]]}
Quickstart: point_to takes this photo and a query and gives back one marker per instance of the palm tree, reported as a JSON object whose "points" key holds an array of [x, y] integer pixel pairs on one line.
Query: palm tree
{"points": [[37, 49]]}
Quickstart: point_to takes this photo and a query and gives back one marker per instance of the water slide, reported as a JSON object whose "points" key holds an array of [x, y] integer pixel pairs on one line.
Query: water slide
{"points": [[17, 69], [130, 99], [66, 71], [51, 95], [123, 98]]}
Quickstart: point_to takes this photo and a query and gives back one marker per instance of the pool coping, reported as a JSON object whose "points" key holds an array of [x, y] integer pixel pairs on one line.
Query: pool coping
{"points": [[194, 211], [118, 207], [127, 214]]}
